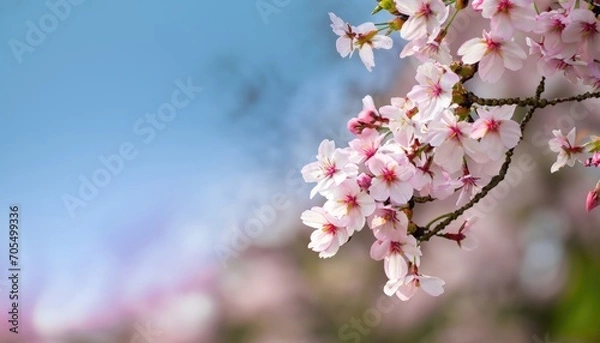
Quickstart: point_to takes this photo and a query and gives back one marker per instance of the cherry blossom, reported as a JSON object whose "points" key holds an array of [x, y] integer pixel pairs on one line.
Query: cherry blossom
{"points": [[506, 15], [441, 138], [402, 120], [567, 151], [348, 200], [451, 139], [428, 48], [332, 168], [391, 178], [434, 92], [464, 236], [406, 287], [330, 233], [368, 39], [388, 223], [345, 43], [425, 17], [494, 54], [583, 27], [496, 131], [366, 145], [551, 25], [396, 255], [364, 37], [549, 64]]}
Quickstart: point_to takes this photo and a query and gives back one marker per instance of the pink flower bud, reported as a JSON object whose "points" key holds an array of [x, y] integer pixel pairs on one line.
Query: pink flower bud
{"points": [[355, 126], [364, 181], [368, 116], [593, 198], [593, 161]]}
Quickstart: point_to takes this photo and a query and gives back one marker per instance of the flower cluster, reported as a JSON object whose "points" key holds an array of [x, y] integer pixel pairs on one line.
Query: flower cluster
{"points": [[416, 147], [440, 139]]}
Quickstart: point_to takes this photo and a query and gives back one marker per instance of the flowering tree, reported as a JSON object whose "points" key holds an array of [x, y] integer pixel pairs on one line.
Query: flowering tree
{"points": [[441, 138]]}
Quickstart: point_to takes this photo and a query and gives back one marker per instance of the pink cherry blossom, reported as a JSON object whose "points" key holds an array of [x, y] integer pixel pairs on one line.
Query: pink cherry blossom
{"points": [[368, 118], [551, 25], [345, 43], [364, 37], [366, 145], [330, 233], [390, 178], [402, 121], [471, 185], [496, 131], [367, 39], [388, 223], [583, 27], [434, 92], [452, 142], [567, 151], [590, 74], [494, 54], [396, 255], [348, 200], [428, 48], [464, 236], [549, 64], [405, 288], [425, 17], [439, 139], [332, 168], [441, 185], [506, 15]]}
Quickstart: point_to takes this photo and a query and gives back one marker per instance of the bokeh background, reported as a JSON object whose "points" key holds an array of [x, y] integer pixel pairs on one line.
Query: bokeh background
{"points": [[195, 236]]}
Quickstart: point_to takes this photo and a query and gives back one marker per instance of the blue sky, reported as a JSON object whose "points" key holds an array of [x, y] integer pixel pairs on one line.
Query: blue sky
{"points": [[266, 89]]}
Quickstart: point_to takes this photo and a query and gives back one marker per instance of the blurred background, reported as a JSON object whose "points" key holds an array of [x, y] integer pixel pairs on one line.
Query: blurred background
{"points": [[154, 151]]}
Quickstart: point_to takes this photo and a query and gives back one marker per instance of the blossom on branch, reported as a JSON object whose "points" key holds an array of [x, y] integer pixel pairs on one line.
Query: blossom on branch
{"points": [[494, 54], [568, 152]]}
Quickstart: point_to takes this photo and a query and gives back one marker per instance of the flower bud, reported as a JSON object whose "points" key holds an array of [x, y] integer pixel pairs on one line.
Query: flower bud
{"points": [[593, 145], [593, 161], [364, 181], [593, 199], [396, 24], [465, 71], [355, 126], [461, 4], [387, 5]]}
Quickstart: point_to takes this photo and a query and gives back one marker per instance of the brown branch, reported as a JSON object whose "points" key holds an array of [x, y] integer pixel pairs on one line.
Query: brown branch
{"points": [[531, 101], [494, 181], [422, 200]]}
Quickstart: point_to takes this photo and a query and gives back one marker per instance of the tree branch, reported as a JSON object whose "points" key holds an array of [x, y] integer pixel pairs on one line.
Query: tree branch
{"points": [[427, 234], [531, 101]]}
